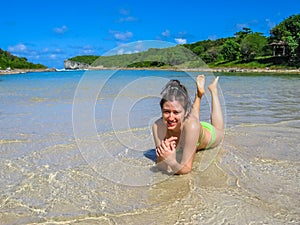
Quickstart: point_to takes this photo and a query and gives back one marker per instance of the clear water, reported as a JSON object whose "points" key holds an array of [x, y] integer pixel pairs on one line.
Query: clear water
{"points": [[76, 147]]}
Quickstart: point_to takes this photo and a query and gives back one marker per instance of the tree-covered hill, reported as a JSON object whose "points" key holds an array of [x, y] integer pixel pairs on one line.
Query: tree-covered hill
{"points": [[175, 56], [245, 49], [7, 60]]}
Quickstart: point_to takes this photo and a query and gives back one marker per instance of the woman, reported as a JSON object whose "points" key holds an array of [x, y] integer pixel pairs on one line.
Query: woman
{"points": [[180, 127]]}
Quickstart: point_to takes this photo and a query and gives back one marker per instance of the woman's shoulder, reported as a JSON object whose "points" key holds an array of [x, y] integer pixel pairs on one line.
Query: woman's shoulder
{"points": [[191, 122], [158, 122]]}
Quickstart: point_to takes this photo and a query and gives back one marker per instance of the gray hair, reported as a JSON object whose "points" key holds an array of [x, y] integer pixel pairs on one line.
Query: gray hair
{"points": [[175, 91]]}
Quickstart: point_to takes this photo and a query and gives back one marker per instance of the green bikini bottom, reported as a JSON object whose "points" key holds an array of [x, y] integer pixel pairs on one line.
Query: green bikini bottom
{"points": [[212, 131]]}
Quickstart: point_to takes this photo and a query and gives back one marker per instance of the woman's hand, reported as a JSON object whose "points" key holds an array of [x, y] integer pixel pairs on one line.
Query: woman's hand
{"points": [[167, 149]]}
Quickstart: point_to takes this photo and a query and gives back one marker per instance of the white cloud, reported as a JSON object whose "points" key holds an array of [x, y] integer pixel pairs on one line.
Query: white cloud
{"points": [[180, 41], [60, 30], [122, 36], [166, 33], [213, 37], [124, 12], [52, 56], [182, 34], [129, 48], [58, 50], [45, 50], [87, 50], [127, 19], [240, 26], [270, 24], [126, 16], [122, 51], [248, 24], [19, 48]]}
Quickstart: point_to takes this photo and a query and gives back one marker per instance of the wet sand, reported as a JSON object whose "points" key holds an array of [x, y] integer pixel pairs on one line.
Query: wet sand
{"points": [[47, 178]]}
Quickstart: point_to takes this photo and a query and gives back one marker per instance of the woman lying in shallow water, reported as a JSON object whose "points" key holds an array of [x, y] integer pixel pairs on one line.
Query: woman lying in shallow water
{"points": [[180, 127]]}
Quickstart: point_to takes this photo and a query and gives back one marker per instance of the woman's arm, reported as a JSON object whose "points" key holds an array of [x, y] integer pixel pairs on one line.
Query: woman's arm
{"points": [[158, 136], [190, 137], [167, 150]]}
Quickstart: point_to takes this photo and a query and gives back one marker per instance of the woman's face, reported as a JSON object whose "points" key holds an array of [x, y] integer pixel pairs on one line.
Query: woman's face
{"points": [[173, 114]]}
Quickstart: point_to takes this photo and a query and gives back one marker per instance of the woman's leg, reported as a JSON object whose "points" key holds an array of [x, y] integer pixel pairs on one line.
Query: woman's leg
{"points": [[200, 81], [216, 112]]}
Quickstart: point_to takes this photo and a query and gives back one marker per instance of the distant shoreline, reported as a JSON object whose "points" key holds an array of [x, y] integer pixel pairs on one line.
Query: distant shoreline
{"points": [[225, 70], [20, 71]]}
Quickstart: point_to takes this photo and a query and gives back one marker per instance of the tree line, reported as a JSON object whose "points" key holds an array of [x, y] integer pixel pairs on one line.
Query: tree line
{"points": [[245, 48], [7, 60], [282, 46]]}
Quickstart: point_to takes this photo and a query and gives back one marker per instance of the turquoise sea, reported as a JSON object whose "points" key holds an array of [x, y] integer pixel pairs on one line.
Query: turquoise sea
{"points": [[76, 148]]}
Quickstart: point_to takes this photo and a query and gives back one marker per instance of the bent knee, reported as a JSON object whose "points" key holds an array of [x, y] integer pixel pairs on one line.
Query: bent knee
{"points": [[219, 135]]}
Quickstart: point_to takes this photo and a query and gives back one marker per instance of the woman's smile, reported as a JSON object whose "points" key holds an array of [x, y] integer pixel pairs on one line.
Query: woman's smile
{"points": [[173, 114], [171, 123]]}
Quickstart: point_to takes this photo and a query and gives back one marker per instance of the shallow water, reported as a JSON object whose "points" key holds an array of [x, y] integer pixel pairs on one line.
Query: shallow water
{"points": [[77, 148]]}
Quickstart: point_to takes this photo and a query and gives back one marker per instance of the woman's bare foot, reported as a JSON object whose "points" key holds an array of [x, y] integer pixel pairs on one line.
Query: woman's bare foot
{"points": [[213, 87], [200, 85]]}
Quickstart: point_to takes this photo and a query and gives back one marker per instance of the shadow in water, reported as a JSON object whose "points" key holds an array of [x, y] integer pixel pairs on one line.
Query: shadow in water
{"points": [[151, 154]]}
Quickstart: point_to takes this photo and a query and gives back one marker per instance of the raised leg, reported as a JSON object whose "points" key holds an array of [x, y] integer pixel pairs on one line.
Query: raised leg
{"points": [[216, 112], [200, 81]]}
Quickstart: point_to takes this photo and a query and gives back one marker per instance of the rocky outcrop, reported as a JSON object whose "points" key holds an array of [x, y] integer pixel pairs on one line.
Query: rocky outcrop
{"points": [[71, 65]]}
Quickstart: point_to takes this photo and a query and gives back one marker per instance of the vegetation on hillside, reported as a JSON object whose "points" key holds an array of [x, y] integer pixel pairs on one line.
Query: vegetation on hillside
{"points": [[245, 49], [7, 60], [154, 57]]}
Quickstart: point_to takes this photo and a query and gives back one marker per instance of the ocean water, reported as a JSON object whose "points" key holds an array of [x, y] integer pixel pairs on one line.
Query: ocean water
{"points": [[76, 148]]}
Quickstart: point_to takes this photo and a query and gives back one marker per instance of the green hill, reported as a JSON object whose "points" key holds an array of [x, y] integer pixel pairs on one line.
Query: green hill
{"points": [[246, 49], [197, 55], [178, 56], [7, 60]]}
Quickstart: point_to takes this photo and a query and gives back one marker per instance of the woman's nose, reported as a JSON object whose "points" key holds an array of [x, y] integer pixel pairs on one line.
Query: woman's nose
{"points": [[171, 115]]}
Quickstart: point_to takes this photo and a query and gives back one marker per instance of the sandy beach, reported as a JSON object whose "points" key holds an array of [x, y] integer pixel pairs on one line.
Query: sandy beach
{"points": [[49, 175], [19, 71], [212, 70]]}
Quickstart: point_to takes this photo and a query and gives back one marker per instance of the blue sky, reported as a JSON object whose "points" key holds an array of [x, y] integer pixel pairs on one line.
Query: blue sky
{"points": [[49, 32]]}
